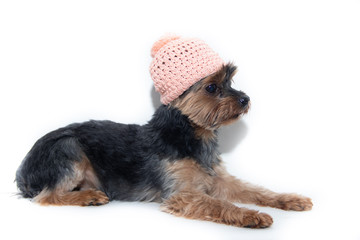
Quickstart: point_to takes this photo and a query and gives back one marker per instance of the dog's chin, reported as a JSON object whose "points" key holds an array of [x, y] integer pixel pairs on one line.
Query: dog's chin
{"points": [[227, 121], [235, 117], [240, 113]]}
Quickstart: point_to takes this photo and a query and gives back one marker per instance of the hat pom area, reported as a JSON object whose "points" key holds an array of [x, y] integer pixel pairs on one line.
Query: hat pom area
{"points": [[161, 42]]}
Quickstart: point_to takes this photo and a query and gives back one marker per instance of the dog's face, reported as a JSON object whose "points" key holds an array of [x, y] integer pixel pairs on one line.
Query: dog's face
{"points": [[212, 102]]}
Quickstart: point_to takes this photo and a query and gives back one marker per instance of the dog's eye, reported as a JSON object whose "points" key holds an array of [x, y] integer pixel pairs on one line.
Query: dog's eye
{"points": [[211, 88]]}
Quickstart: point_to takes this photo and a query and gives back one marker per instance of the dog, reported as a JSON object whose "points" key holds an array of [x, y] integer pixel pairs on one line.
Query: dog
{"points": [[173, 160]]}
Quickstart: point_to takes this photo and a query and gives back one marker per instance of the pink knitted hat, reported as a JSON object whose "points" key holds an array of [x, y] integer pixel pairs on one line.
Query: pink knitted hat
{"points": [[178, 63]]}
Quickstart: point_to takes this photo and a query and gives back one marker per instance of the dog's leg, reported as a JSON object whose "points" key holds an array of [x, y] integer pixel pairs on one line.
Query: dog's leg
{"points": [[201, 206], [229, 188], [84, 180], [90, 197]]}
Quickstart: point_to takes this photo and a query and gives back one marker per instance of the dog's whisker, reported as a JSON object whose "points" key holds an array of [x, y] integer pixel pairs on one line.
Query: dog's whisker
{"points": [[173, 159]]}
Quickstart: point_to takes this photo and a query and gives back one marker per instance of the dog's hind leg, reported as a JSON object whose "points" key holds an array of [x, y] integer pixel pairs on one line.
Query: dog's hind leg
{"points": [[57, 172], [78, 188], [203, 207], [90, 197]]}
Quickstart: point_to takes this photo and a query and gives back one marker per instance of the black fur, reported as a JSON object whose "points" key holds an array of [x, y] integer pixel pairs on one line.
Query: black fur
{"points": [[50, 160], [128, 159], [230, 70]]}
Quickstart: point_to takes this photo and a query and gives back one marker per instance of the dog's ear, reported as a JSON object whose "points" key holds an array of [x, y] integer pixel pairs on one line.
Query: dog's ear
{"points": [[230, 71], [224, 75]]}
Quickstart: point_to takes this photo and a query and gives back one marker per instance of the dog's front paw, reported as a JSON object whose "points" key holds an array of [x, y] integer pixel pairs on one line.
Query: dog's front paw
{"points": [[294, 202]]}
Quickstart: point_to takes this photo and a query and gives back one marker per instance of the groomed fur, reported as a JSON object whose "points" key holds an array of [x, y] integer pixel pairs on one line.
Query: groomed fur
{"points": [[129, 160], [173, 160]]}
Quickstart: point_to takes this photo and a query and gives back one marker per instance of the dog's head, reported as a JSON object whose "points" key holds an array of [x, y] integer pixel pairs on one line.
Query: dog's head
{"points": [[212, 101]]}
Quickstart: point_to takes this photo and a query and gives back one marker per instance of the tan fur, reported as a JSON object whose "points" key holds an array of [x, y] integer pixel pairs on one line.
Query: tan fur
{"points": [[195, 205], [90, 179], [204, 134], [188, 176], [83, 178], [234, 190], [191, 191], [77, 198], [206, 111], [198, 194]]}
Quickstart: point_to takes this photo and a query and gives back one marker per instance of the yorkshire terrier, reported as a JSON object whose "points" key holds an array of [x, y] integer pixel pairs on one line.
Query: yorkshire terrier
{"points": [[173, 159]]}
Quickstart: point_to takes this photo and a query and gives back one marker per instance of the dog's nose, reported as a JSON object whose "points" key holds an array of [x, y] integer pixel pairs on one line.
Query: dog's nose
{"points": [[244, 100]]}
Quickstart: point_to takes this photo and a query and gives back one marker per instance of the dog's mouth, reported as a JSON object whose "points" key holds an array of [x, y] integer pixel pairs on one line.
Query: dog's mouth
{"points": [[239, 114], [236, 116]]}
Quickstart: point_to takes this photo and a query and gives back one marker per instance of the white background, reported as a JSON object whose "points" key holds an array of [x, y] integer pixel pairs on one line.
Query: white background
{"points": [[299, 61]]}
